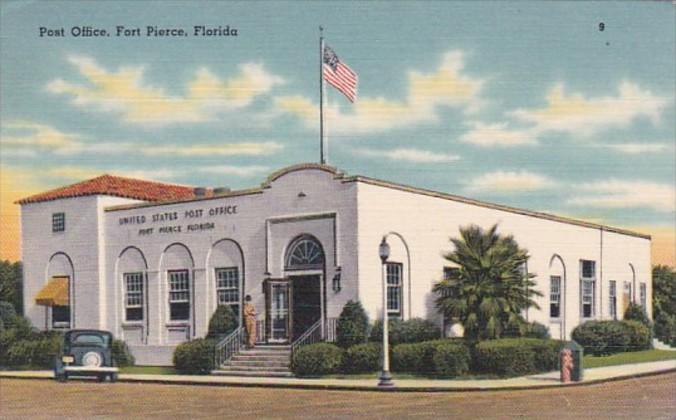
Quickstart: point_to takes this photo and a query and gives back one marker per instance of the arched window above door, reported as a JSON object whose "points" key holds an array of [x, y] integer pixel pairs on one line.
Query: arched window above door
{"points": [[304, 253]]}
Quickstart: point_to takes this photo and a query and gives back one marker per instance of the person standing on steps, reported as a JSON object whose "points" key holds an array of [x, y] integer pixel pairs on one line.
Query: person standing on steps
{"points": [[249, 322]]}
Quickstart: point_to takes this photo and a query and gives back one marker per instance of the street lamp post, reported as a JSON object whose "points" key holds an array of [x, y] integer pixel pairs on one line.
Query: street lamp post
{"points": [[385, 378]]}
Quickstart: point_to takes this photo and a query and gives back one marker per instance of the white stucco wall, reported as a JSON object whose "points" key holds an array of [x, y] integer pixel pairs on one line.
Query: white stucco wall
{"points": [[264, 224], [426, 223], [75, 253], [347, 216]]}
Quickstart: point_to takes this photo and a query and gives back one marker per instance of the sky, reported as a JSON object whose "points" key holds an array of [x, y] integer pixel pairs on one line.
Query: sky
{"points": [[561, 107]]}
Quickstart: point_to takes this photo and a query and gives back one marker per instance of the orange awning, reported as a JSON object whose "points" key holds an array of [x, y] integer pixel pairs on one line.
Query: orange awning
{"points": [[55, 293]]}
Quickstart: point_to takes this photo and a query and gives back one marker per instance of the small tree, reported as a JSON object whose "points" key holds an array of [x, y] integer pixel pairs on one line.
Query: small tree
{"points": [[664, 303], [11, 280], [492, 288], [352, 326], [636, 312], [222, 322]]}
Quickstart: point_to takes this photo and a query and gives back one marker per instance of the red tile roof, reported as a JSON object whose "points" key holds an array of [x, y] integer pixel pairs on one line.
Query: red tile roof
{"points": [[118, 187]]}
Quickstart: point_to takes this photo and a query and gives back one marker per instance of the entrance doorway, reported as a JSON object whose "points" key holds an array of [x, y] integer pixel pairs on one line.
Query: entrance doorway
{"points": [[307, 306]]}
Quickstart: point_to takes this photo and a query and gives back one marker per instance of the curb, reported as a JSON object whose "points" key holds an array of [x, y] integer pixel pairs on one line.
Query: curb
{"points": [[332, 387]]}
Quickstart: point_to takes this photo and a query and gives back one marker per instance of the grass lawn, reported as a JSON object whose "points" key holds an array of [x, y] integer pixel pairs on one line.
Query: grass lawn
{"points": [[629, 357], [149, 370]]}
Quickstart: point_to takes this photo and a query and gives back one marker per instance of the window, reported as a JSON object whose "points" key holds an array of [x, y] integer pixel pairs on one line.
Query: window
{"points": [[227, 288], [555, 296], [304, 253], [58, 222], [61, 316], [179, 295], [612, 296], [133, 299], [643, 296], [587, 287], [393, 275], [627, 294]]}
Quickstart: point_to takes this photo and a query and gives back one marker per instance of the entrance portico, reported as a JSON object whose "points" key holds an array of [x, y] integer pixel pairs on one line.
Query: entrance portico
{"points": [[295, 302]]}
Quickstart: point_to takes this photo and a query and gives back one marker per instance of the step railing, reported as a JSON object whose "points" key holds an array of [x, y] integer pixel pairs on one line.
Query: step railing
{"points": [[229, 346], [310, 336]]}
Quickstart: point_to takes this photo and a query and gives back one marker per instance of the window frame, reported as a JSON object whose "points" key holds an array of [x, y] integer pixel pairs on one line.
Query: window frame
{"points": [[612, 298], [137, 276], [557, 293], [175, 302], [237, 304], [395, 312], [58, 222], [587, 283]]}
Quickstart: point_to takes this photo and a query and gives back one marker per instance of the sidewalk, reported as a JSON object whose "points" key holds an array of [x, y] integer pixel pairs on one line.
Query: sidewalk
{"points": [[545, 380]]}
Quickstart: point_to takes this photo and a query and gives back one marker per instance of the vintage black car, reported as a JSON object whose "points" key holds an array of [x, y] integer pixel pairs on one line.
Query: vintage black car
{"points": [[86, 353]]}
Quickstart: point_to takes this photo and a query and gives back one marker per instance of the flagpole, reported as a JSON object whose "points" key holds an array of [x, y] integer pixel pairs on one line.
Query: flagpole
{"points": [[322, 158]]}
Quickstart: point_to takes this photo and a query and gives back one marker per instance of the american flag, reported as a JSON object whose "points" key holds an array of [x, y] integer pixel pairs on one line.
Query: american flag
{"points": [[339, 75]]}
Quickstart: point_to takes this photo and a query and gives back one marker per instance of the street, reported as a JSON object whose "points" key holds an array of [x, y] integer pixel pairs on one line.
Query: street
{"points": [[649, 397]]}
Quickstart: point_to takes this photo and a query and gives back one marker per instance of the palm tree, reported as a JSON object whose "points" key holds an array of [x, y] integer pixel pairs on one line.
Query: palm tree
{"points": [[491, 288]]}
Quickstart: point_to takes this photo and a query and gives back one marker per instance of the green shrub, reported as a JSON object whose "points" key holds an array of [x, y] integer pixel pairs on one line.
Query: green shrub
{"points": [[415, 330], [536, 330], [639, 336], [635, 312], [363, 358], [121, 354], [415, 357], [352, 325], [317, 359], [7, 313], [45, 349], [516, 356], [546, 354], [665, 329], [195, 357], [451, 359], [222, 322], [602, 337]]}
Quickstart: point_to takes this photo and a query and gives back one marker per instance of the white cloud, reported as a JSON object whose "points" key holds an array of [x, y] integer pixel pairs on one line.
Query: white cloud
{"points": [[242, 171], [497, 134], [24, 138], [509, 181], [615, 193], [225, 149], [447, 86], [125, 92], [635, 148], [409, 155], [576, 114]]}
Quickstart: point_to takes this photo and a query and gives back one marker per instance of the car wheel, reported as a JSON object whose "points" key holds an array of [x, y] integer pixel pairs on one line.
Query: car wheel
{"points": [[64, 377], [102, 378], [113, 377]]}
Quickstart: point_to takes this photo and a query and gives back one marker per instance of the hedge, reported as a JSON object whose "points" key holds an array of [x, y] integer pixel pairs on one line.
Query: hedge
{"points": [[363, 358], [516, 356], [38, 351], [222, 322], [414, 330], [451, 359], [639, 336], [608, 337], [121, 354], [317, 359], [195, 357], [415, 357], [635, 312], [352, 325]]}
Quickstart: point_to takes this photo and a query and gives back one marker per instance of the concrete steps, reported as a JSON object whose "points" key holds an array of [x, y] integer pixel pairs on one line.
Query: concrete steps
{"points": [[263, 360]]}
